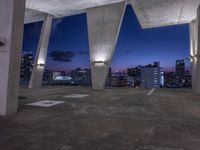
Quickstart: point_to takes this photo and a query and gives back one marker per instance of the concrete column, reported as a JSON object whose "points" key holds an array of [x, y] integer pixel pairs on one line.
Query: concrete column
{"points": [[193, 53], [103, 28], [40, 58], [197, 57], [11, 35]]}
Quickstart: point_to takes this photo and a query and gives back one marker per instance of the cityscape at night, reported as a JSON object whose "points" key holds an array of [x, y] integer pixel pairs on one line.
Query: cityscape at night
{"points": [[69, 50], [135, 46], [99, 74], [148, 76]]}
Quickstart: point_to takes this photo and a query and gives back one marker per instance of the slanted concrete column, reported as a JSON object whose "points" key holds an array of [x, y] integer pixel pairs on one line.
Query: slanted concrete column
{"points": [[40, 58], [103, 28], [11, 35], [193, 53], [197, 57]]}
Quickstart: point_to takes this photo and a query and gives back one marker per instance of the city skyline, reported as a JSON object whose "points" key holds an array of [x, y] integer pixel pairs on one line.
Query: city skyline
{"points": [[69, 35]]}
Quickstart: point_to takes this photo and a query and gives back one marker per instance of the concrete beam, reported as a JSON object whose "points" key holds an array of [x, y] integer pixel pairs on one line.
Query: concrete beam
{"points": [[11, 35], [103, 28], [40, 58]]}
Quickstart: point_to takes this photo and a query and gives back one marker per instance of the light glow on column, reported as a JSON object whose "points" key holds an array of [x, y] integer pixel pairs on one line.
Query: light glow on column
{"points": [[41, 61], [193, 40], [101, 52], [99, 57]]}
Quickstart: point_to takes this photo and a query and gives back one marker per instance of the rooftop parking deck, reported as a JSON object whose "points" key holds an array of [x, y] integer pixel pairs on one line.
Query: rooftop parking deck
{"points": [[112, 119]]}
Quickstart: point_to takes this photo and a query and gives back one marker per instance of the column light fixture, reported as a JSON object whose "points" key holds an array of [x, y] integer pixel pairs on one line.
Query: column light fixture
{"points": [[40, 65], [193, 58], [98, 63]]}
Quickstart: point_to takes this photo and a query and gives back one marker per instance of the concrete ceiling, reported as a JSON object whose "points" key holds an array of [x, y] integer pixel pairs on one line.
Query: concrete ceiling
{"points": [[60, 8], [155, 13], [150, 13]]}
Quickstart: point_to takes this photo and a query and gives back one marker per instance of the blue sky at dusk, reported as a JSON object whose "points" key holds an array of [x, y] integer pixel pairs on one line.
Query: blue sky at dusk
{"points": [[135, 46]]}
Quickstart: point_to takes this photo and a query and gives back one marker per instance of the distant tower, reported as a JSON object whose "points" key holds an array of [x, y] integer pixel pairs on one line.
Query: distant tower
{"points": [[156, 64], [150, 76], [180, 71], [26, 65]]}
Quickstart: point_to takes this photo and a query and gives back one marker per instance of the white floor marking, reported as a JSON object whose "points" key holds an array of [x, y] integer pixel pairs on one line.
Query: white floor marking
{"points": [[76, 96], [151, 92], [46, 103]]}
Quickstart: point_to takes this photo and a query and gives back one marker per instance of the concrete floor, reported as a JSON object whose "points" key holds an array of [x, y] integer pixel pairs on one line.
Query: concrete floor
{"points": [[113, 119]]}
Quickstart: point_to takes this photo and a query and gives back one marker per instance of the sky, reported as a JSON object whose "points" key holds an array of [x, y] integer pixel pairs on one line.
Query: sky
{"points": [[135, 46]]}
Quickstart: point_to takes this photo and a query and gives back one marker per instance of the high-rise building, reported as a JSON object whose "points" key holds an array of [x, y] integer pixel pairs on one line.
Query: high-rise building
{"points": [[47, 77], [187, 79], [162, 79], [150, 76], [170, 79], [118, 80], [81, 76], [136, 73], [26, 66], [156, 64], [180, 72]]}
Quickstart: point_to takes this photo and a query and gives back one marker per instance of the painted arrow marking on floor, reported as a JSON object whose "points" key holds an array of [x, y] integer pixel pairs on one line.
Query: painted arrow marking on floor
{"points": [[150, 92]]}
